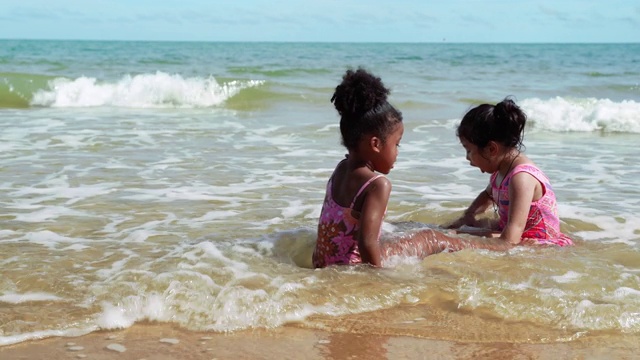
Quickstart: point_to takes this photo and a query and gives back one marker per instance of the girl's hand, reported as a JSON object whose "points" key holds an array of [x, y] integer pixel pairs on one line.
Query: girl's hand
{"points": [[478, 206], [467, 219]]}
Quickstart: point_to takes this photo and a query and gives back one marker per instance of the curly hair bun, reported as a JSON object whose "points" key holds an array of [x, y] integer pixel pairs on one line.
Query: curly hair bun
{"points": [[359, 92]]}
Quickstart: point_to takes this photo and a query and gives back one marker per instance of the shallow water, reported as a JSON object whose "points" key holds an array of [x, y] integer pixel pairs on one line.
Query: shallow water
{"points": [[125, 200]]}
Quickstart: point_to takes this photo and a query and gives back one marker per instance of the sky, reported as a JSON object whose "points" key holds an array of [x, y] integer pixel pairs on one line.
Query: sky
{"points": [[520, 21]]}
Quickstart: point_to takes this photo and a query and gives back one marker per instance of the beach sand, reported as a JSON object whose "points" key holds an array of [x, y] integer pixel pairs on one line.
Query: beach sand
{"points": [[164, 342]]}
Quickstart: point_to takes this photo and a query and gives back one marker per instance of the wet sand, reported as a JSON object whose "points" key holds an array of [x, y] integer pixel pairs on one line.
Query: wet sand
{"points": [[164, 342]]}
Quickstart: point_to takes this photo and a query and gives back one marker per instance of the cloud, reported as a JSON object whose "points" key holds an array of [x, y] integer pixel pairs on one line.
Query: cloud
{"points": [[554, 13], [422, 18], [25, 13], [631, 20]]}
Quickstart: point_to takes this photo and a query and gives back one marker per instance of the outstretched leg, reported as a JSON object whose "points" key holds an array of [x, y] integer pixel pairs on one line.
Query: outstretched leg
{"points": [[427, 242]]}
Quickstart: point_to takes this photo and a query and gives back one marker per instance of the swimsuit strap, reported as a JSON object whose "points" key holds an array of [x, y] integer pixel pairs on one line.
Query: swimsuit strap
{"points": [[533, 171], [364, 186]]}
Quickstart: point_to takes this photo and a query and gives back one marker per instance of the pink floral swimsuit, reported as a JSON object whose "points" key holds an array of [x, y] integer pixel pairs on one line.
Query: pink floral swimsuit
{"points": [[338, 228], [543, 223]]}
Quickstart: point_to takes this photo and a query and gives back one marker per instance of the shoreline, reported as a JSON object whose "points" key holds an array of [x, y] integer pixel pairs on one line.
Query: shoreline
{"points": [[166, 342]]}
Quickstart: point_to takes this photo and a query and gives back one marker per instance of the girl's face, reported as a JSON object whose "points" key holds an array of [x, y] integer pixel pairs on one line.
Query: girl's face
{"points": [[478, 157], [389, 150]]}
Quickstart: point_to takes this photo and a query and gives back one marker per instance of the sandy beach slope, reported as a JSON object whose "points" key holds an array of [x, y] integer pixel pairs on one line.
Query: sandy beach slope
{"points": [[163, 342]]}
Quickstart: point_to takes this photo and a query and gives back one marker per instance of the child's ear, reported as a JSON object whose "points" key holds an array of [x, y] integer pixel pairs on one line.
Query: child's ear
{"points": [[493, 148], [376, 143]]}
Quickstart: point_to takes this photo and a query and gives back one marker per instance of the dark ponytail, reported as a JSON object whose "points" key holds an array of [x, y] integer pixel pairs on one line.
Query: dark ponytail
{"points": [[503, 123], [513, 119]]}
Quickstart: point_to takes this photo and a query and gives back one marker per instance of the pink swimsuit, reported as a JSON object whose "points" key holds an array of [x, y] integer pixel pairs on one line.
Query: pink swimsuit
{"points": [[543, 223], [338, 227]]}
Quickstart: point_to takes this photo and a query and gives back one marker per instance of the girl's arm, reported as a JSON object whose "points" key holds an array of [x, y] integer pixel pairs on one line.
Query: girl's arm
{"points": [[522, 188], [371, 217], [478, 206]]}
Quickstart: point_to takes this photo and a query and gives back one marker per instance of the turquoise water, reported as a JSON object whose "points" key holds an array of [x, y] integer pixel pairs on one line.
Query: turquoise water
{"points": [[181, 183]]}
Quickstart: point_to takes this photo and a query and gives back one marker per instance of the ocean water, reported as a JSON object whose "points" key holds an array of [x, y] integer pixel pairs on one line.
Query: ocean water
{"points": [[181, 183]]}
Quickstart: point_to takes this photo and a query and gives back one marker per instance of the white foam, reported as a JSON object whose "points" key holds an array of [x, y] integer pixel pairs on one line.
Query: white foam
{"points": [[34, 335], [568, 277], [580, 114], [49, 238], [139, 91], [297, 208], [57, 188], [138, 235], [76, 247], [130, 310], [117, 266], [625, 293], [211, 250], [5, 233], [216, 215], [15, 298]]}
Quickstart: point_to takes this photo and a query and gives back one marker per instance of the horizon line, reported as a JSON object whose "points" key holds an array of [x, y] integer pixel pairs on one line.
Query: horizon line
{"points": [[332, 42]]}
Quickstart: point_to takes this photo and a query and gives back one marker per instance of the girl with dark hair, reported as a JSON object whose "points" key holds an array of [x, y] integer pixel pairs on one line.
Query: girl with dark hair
{"points": [[519, 191], [357, 192]]}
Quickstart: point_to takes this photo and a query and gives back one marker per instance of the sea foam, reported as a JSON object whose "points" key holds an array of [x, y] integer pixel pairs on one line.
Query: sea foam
{"points": [[157, 90], [583, 114]]}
